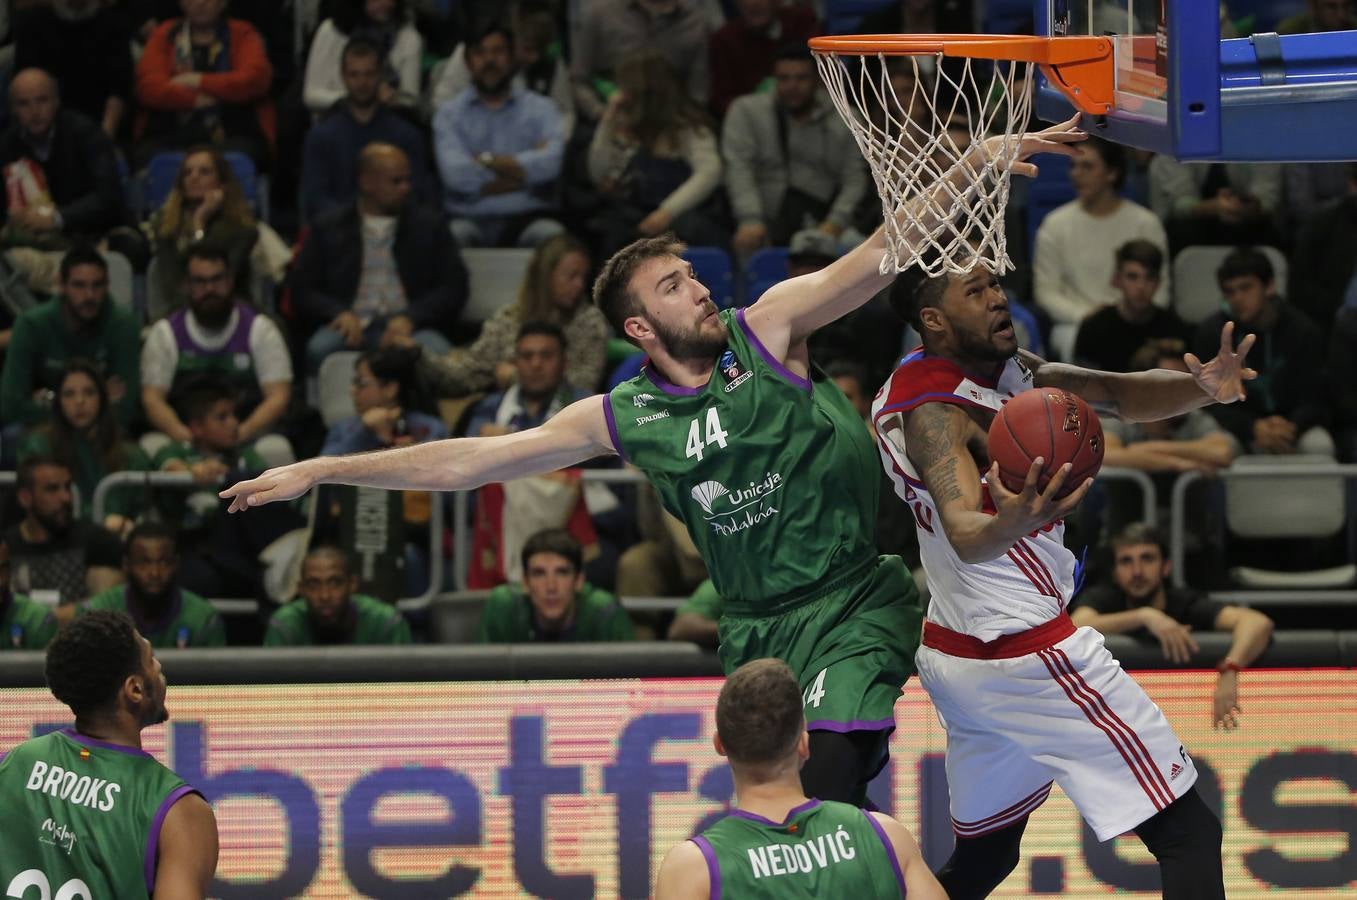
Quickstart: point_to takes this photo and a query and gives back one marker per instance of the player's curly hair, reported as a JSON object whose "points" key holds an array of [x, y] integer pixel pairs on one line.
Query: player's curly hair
{"points": [[759, 713], [88, 661], [612, 288]]}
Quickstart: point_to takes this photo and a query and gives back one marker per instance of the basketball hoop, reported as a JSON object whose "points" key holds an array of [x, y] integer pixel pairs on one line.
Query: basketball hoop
{"points": [[940, 139]]}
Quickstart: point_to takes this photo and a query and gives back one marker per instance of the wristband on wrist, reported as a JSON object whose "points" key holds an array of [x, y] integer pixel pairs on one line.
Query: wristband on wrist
{"points": [[1228, 665]]}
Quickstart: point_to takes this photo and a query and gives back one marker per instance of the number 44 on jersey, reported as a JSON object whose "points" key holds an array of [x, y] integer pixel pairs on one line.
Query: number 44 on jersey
{"points": [[715, 435]]}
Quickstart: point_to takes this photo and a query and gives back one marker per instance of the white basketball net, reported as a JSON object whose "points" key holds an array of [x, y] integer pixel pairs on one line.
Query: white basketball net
{"points": [[912, 139]]}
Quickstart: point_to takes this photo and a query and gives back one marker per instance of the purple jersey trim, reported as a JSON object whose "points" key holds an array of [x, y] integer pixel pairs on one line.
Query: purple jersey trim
{"points": [[611, 419], [769, 358], [103, 745], [791, 814], [713, 867], [890, 849], [855, 725], [153, 836], [658, 380]]}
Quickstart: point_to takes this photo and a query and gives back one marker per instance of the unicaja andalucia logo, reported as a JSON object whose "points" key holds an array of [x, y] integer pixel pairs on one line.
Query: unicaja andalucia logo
{"points": [[733, 511]]}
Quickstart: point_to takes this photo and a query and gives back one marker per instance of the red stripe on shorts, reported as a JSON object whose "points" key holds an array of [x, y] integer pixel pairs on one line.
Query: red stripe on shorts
{"points": [[1003, 818]]}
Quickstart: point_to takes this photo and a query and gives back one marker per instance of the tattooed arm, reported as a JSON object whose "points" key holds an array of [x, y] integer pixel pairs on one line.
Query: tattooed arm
{"points": [[936, 443]]}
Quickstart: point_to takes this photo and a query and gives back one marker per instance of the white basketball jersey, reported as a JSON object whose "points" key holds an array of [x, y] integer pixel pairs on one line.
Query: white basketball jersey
{"points": [[1030, 584]]}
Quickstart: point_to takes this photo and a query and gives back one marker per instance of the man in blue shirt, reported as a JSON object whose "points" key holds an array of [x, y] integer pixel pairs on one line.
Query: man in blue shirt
{"points": [[539, 391], [499, 151]]}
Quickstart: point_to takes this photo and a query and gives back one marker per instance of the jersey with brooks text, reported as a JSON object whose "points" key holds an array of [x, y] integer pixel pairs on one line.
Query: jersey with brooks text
{"points": [[1028, 585]]}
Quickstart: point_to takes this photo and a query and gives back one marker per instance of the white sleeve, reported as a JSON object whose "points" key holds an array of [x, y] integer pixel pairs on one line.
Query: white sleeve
{"points": [[323, 84], [406, 56], [453, 79], [159, 356], [272, 362]]}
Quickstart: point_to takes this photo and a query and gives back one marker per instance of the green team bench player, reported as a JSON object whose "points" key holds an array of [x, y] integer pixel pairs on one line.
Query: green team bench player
{"points": [[331, 612], [765, 462], [555, 603], [24, 624]]}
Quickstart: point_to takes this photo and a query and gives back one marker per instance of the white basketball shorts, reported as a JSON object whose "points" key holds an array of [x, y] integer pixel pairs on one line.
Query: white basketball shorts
{"points": [[1049, 704]]}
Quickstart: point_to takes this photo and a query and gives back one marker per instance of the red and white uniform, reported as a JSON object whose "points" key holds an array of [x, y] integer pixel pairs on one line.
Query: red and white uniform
{"points": [[1019, 689]]}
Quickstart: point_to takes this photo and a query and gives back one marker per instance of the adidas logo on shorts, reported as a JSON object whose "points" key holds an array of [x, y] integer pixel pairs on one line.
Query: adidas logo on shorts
{"points": [[1174, 771]]}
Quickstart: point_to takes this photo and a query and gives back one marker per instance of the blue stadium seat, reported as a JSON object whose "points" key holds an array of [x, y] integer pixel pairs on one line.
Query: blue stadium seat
{"points": [[714, 269], [1050, 188], [844, 16], [766, 265]]}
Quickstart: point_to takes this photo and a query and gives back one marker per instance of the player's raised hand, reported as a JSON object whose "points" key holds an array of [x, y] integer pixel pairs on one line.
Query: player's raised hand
{"points": [[282, 483], [1224, 376], [1055, 139], [1225, 707], [1030, 508]]}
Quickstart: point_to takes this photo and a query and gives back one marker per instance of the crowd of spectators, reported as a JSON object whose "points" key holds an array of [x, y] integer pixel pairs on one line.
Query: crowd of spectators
{"points": [[318, 198]]}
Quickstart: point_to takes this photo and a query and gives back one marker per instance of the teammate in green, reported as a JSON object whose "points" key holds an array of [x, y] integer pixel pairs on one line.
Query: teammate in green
{"points": [[88, 813], [24, 625], [330, 612], [764, 460], [777, 843]]}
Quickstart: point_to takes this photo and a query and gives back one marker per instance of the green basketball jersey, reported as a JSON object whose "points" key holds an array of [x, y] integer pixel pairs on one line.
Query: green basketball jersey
{"points": [[82, 817], [190, 621], [822, 849], [374, 622], [774, 476]]}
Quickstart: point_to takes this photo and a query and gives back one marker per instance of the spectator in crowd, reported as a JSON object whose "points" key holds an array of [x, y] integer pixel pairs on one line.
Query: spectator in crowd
{"points": [[220, 334], [334, 144], [554, 290], [928, 17], [1286, 410], [499, 149], [1325, 256], [166, 614], [205, 205], [1343, 379], [1215, 203], [1075, 257], [382, 269], [80, 323], [540, 67], [382, 383], [789, 160], [555, 603], [330, 611], [1320, 15], [613, 30], [86, 47], [62, 179], [388, 25], [1142, 603], [1111, 335], [539, 390], [51, 550], [851, 379], [655, 160], [696, 620], [742, 54], [84, 435], [24, 624], [204, 79], [1306, 187]]}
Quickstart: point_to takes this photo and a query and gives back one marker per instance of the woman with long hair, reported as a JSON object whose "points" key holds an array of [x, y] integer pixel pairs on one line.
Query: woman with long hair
{"points": [[655, 159], [554, 289], [206, 204], [389, 25], [85, 436]]}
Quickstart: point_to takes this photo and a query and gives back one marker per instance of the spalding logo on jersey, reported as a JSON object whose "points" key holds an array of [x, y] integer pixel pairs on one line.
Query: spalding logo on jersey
{"points": [[735, 375]]}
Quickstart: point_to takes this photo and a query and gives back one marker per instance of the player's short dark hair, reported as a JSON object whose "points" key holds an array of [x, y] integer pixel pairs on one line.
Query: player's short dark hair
{"points": [[553, 540], [88, 660], [23, 478], [759, 713], [82, 255], [331, 551], [200, 394], [795, 52], [1113, 156], [1140, 533], [612, 288], [909, 297], [208, 252], [1142, 252], [362, 47], [1245, 262], [151, 530], [549, 329]]}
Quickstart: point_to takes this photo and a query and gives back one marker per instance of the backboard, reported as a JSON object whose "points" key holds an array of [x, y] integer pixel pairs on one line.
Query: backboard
{"points": [[1182, 90]]}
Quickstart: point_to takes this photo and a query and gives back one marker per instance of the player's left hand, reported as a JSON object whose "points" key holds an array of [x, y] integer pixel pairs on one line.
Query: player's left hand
{"points": [[1223, 377], [1225, 708], [1056, 139]]}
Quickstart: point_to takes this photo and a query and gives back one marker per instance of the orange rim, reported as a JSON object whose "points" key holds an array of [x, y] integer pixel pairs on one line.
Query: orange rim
{"points": [[1082, 68]]}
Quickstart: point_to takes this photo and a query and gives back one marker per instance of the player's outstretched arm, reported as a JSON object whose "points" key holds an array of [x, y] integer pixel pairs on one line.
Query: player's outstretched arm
{"points": [[188, 850], [683, 874], [576, 433], [935, 440], [919, 882], [794, 309], [1158, 393]]}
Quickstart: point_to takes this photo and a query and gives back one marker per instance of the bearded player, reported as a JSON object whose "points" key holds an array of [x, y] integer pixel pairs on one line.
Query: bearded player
{"points": [[760, 457], [1026, 698]]}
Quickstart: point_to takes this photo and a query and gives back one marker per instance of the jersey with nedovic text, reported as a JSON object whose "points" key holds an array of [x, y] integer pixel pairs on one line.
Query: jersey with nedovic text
{"points": [[822, 849], [773, 475], [82, 818]]}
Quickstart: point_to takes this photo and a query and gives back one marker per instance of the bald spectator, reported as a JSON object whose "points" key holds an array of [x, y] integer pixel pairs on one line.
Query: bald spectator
{"points": [[381, 269], [86, 46], [204, 79], [330, 158]]}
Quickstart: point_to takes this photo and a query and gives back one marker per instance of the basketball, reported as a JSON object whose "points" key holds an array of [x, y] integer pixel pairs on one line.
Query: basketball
{"points": [[1050, 423]]}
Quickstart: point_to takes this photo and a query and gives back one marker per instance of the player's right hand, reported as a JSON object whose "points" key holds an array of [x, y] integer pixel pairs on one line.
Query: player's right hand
{"points": [[1030, 509], [1174, 637], [282, 483]]}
